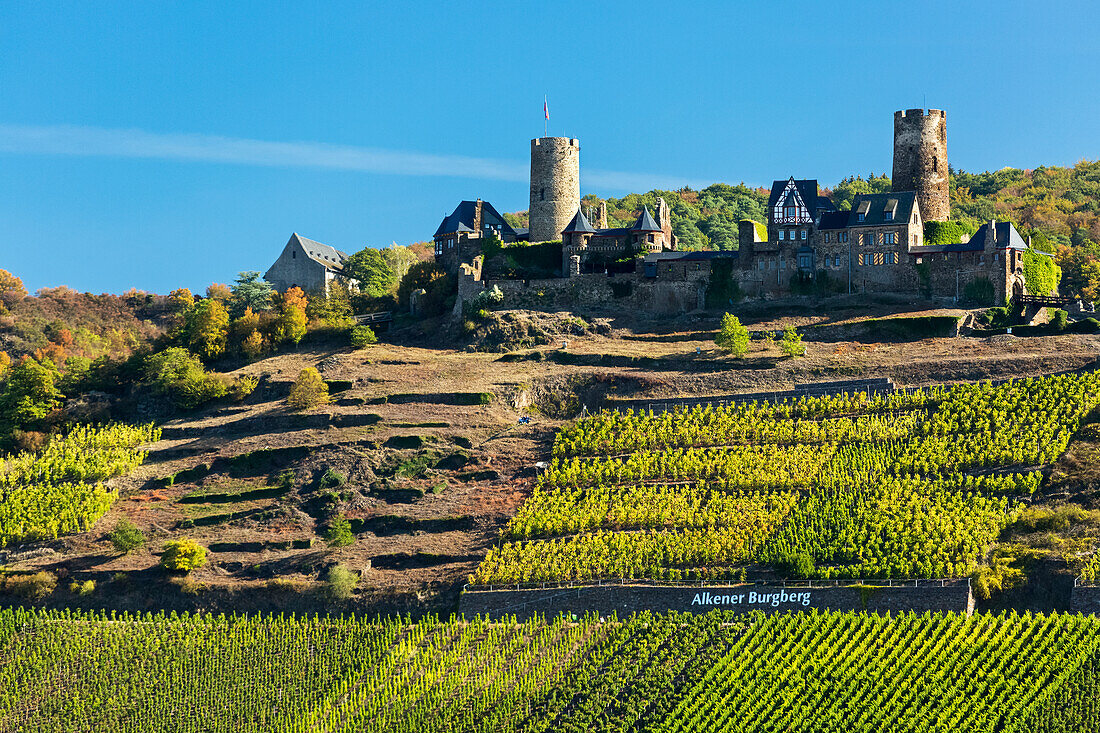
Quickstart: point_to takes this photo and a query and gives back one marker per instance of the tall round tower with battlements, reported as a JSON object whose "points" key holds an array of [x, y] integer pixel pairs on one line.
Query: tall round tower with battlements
{"points": [[555, 186], [920, 160]]}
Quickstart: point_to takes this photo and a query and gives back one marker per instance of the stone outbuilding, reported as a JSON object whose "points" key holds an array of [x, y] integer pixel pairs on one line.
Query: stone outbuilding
{"points": [[309, 265]]}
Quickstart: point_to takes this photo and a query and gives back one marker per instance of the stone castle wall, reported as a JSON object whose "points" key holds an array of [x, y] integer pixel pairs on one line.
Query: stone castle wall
{"points": [[555, 186], [1085, 599], [596, 290], [624, 600], [920, 160]]}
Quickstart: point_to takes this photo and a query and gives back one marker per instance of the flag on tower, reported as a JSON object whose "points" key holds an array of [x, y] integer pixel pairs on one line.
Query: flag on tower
{"points": [[545, 109]]}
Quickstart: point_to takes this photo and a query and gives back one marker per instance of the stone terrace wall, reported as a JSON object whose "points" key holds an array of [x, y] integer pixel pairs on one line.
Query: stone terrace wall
{"points": [[598, 290], [1085, 599], [623, 600]]}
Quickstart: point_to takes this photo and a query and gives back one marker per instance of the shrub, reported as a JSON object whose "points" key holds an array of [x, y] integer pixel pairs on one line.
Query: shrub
{"points": [[183, 555], [979, 291], [473, 398], [126, 537], [82, 589], [181, 377], [799, 565], [243, 386], [362, 336], [340, 583], [1041, 274], [330, 479], [1058, 321], [792, 345], [732, 336], [33, 587], [308, 391], [339, 532]]}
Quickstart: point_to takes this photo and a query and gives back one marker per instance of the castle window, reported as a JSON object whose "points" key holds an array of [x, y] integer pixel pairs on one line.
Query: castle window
{"points": [[842, 237], [791, 212], [836, 261], [542, 194], [888, 216], [869, 238], [293, 255], [826, 237], [782, 234], [860, 217], [803, 233], [888, 238], [914, 240]]}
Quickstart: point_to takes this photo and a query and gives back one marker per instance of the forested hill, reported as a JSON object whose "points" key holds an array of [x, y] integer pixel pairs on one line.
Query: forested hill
{"points": [[1058, 206]]}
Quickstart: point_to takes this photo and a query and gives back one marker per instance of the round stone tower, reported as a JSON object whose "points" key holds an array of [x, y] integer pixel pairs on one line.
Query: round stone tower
{"points": [[920, 160], [555, 186]]}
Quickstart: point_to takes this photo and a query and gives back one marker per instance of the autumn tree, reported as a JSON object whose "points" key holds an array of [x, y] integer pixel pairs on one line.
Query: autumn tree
{"points": [[180, 300], [219, 292], [205, 328], [11, 288], [309, 390], [291, 323]]}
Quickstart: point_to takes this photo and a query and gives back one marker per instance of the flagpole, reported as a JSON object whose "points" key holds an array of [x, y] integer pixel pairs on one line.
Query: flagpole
{"points": [[545, 116]]}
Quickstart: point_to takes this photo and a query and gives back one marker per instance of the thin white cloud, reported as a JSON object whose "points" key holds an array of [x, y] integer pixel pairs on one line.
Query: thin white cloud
{"points": [[133, 143]]}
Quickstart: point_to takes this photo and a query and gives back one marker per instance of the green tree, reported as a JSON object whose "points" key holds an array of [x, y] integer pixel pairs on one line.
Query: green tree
{"points": [[340, 583], [339, 532], [362, 336], [29, 394], [732, 336], [249, 291], [791, 343], [179, 375], [370, 268], [126, 537], [205, 327]]}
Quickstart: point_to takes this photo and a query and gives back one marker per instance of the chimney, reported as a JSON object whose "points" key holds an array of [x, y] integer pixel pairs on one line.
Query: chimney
{"points": [[993, 230], [477, 218]]}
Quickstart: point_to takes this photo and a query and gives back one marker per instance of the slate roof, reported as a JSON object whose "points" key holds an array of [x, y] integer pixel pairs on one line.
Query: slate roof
{"points": [[463, 215], [579, 225], [833, 220], [330, 257], [645, 222], [875, 204], [807, 189], [1007, 238]]}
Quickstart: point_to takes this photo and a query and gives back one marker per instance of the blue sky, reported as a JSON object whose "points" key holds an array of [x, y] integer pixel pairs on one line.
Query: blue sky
{"points": [[158, 145]]}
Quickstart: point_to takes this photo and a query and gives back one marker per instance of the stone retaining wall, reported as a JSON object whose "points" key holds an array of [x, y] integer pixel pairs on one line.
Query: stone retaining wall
{"points": [[1085, 599], [624, 600]]}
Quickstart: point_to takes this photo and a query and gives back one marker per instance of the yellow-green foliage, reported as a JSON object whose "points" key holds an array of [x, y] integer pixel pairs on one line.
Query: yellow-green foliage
{"points": [[61, 490], [183, 555], [308, 391], [890, 486], [1041, 275]]}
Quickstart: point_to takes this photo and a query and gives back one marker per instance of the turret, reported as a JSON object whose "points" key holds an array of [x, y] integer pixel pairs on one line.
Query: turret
{"points": [[920, 160], [555, 186]]}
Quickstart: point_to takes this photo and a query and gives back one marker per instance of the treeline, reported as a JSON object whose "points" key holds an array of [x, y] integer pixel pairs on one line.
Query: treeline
{"points": [[70, 357], [1059, 207]]}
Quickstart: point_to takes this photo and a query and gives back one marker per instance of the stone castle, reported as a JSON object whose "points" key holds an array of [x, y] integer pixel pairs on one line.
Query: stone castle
{"points": [[877, 246]]}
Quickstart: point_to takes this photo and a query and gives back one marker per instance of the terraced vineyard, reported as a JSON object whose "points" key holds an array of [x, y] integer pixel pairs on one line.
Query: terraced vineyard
{"points": [[910, 484], [60, 490], [75, 672]]}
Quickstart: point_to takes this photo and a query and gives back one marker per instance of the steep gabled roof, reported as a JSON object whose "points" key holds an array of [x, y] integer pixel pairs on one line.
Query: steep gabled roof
{"points": [[463, 216], [645, 222], [807, 190], [874, 206], [579, 225], [1007, 236], [330, 257]]}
